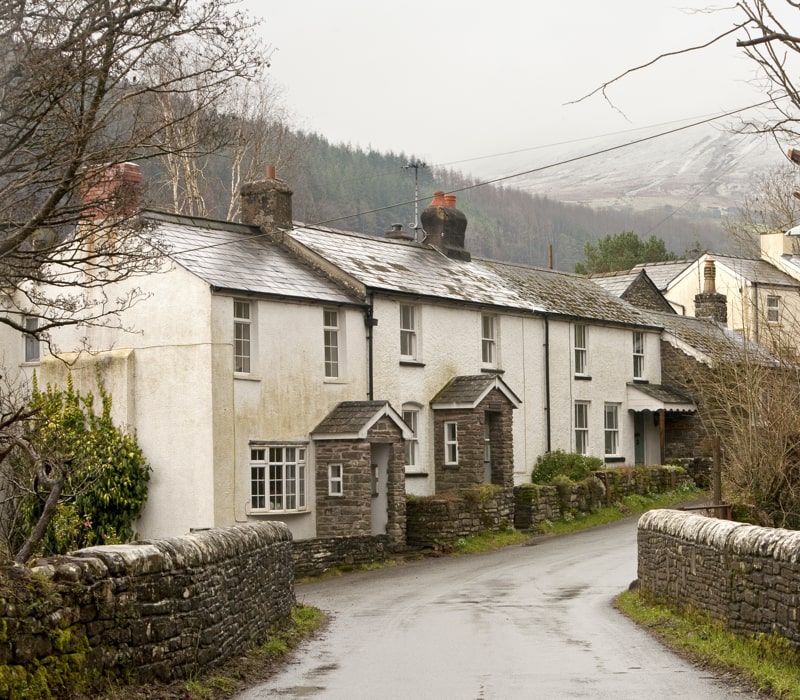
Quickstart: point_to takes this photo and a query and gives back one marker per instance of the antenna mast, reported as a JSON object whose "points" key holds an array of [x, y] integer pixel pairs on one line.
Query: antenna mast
{"points": [[416, 165]]}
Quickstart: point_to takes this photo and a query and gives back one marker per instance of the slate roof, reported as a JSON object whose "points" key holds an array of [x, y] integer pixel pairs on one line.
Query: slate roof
{"points": [[757, 270], [667, 395], [410, 268], [470, 391], [234, 257], [662, 273], [355, 418], [711, 339], [616, 283]]}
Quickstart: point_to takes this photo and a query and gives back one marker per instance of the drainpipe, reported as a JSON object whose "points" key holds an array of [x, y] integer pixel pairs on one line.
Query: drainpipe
{"points": [[755, 312], [370, 322], [547, 378]]}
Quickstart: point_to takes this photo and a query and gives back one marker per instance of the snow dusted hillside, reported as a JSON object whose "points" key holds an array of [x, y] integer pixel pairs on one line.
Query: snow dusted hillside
{"points": [[702, 170]]}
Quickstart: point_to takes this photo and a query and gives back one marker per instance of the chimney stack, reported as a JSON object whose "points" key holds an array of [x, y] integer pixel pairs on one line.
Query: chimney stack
{"points": [[112, 191], [445, 226], [709, 303], [267, 203], [398, 234]]}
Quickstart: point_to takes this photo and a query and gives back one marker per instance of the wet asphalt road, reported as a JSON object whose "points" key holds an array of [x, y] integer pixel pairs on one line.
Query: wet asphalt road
{"points": [[523, 622]]}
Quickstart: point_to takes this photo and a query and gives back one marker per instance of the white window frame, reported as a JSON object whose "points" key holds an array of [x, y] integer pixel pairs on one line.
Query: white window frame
{"points": [[581, 355], [330, 323], [773, 308], [335, 480], [489, 340], [242, 336], [450, 442], [411, 419], [611, 428], [277, 478], [31, 347], [582, 427], [409, 332], [638, 354]]}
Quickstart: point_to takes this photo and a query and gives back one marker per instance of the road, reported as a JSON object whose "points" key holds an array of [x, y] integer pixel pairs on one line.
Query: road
{"points": [[523, 622]]}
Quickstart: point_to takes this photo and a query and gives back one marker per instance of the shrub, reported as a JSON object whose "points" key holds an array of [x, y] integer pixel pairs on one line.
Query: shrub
{"points": [[572, 465]]}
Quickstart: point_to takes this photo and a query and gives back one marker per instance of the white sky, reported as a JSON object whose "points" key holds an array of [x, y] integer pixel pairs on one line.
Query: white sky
{"points": [[454, 80]]}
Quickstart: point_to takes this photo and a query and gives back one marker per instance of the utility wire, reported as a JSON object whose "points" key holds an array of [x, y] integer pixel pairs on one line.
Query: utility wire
{"points": [[503, 178]]}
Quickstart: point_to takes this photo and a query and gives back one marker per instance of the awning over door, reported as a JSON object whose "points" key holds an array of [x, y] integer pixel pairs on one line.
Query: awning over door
{"points": [[658, 397], [351, 420]]}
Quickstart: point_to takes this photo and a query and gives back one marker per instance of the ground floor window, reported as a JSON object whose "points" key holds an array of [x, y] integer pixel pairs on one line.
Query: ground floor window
{"points": [[581, 427], [278, 478], [612, 428], [451, 442], [335, 480]]}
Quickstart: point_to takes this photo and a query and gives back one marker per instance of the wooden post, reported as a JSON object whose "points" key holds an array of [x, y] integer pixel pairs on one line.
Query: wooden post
{"points": [[716, 473]]}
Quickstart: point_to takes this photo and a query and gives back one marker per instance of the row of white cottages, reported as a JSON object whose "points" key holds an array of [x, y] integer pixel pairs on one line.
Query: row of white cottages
{"points": [[316, 376]]}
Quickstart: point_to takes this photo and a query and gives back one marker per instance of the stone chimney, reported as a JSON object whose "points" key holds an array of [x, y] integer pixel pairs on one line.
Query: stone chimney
{"points": [[444, 226], [398, 234], [709, 303], [113, 191], [267, 203]]}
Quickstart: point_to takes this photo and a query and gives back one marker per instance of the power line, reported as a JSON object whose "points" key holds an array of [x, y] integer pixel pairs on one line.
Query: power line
{"points": [[504, 178]]}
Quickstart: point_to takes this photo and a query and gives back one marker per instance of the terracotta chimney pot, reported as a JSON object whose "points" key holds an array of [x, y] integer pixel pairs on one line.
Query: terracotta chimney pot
{"points": [[450, 201], [270, 172], [438, 199]]}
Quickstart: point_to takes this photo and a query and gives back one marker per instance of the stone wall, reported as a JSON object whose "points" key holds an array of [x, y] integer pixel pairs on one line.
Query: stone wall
{"points": [[685, 435], [535, 504], [745, 576], [436, 521], [315, 557], [157, 610]]}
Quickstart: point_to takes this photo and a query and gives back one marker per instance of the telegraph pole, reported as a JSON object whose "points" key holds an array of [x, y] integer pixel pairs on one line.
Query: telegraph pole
{"points": [[416, 165]]}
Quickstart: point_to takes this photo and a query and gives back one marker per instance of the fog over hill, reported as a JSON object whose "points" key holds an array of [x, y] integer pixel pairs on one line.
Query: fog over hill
{"points": [[699, 170]]}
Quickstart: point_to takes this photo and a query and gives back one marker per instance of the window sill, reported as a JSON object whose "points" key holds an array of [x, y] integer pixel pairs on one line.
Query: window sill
{"points": [[639, 380], [583, 377], [492, 370], [612, 459], [261, 511], [30, 363], [411, 363], [334, 380], [417, 475], [247, 377]]}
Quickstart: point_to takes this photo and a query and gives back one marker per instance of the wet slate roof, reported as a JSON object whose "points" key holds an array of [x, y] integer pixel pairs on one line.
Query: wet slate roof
{"points": [[355, 418], [662, 273], [234, 257], [711, 339], [756, 270], [411, 268], [617, 283], [470, 390], [663, 393]]}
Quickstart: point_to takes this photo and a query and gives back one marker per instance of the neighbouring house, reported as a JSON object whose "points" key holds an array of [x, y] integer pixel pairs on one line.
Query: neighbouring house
{"points": [[317, 376]]}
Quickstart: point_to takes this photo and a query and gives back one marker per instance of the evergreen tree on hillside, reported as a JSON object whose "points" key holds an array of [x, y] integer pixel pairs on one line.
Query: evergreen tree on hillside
{"points": [[622, 251]]}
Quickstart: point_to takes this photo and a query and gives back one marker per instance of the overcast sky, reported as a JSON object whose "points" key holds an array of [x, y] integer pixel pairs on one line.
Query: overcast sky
{"points": [[454, 80]]}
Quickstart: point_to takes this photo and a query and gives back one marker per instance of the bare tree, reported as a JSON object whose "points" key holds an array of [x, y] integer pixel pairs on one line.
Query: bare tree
{"points": [[81, 87], [769, 206], [83, 91], [762, 29]]}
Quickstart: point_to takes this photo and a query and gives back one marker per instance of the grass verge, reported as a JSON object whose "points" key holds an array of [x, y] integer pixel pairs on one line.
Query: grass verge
{"points": [[242, 671], [767, 662], [630, 505]]}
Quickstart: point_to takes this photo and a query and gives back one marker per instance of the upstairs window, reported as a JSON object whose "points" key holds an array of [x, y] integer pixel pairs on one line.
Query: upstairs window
{"points": [[331, 339], [773, 309], [488, 340], [638, 354], [579, 345], [242, 336], [408, 332], [32, 350]]}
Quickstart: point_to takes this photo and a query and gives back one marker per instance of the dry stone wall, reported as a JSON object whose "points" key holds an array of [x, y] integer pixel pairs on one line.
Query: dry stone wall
{"points": [[745, 576], [156, 610], [536, 504]]}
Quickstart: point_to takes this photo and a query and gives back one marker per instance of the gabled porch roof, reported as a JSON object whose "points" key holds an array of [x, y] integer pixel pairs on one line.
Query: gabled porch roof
{"points": [[468, 391], [352, 420]]}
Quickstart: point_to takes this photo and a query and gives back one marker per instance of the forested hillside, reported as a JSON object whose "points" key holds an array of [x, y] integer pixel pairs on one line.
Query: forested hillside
{"points": [[367, 191]]}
